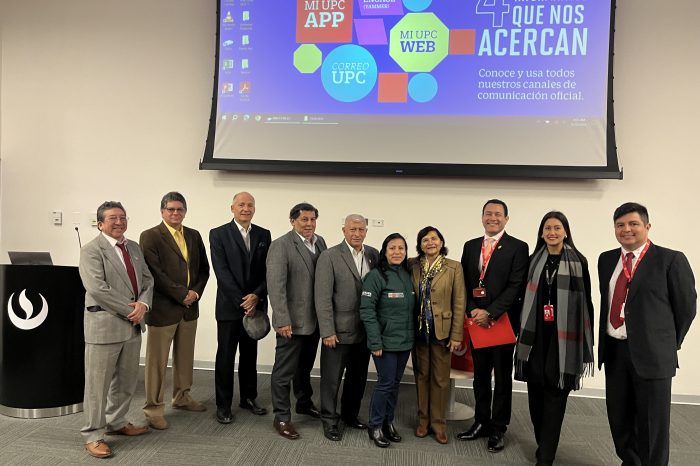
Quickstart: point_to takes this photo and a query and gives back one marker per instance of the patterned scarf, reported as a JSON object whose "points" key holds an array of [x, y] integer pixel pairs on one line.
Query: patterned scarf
{"points": [[427, 272], [574, 332]]}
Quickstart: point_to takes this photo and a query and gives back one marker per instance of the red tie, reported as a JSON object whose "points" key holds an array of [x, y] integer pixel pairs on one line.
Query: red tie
{"points": [[620, 294], [130, 269]]}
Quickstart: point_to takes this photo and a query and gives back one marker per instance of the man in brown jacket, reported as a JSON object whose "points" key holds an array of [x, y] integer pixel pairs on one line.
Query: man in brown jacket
{"points": [[178, 262]]}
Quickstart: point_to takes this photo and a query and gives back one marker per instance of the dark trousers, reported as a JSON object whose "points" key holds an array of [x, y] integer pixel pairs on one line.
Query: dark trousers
{"points": [[639, 410], [294, 359], [230, 336], [390, 366], [493, 409], [353, 360], [547, 408]]}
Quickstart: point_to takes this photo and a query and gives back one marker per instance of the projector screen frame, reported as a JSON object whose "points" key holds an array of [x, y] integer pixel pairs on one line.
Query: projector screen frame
{"points": [[612, 169]]}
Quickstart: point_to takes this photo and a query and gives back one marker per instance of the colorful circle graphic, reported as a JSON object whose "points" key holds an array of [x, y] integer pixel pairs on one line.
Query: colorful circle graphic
{"points": [[417, 5], [422, 87], [349, 73]]}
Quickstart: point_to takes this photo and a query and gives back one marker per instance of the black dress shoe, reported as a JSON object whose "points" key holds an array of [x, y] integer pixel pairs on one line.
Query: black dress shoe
{"points": [[496, 442], [253, 407], [475, 431], [224, 415], [310, 410], [377, 435], [390, 433], [355, 424], [332, 432]]}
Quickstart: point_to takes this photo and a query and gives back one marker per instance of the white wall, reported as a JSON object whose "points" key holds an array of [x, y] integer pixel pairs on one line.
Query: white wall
{"points": [[110, 100]]}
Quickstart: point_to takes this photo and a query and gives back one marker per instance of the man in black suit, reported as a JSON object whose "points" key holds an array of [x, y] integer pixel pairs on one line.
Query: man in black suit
{"points": [[338, 285], [495, 267], [647, 303], [238, 255]]}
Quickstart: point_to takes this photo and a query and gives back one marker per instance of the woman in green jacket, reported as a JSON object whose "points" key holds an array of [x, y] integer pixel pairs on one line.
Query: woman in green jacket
{"points": [[386, 309]]}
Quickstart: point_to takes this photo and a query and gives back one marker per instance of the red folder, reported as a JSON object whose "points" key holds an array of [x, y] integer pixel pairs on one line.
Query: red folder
{"points": [[500, 333]]}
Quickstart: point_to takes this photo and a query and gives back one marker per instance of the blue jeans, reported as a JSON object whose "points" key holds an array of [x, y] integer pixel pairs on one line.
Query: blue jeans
{"points": [[390, 366]]}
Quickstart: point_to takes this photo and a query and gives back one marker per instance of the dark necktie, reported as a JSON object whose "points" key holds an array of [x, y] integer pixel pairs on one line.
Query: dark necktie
{"points": [[129, 269], [620, 294]]}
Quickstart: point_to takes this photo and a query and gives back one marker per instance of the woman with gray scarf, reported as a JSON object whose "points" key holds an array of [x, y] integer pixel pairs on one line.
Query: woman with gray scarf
{"points": [[555, 346]]}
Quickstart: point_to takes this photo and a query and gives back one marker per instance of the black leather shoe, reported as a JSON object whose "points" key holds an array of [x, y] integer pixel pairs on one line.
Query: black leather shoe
{"points": [[310, 410], [475, 431], [496, 442], [390, 433], [332, 433], [224, 415], [377, 435], [355, 424], [253, 407]]}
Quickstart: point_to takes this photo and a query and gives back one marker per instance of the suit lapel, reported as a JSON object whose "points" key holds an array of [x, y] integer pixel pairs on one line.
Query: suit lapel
{"points": [[642, 272], [349, 261], [111, 255], [237, 238], [303, 251], [495, 260], [168, 239]]}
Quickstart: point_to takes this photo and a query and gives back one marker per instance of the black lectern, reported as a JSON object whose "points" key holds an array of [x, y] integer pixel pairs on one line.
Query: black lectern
{"points": [[42, 343]]}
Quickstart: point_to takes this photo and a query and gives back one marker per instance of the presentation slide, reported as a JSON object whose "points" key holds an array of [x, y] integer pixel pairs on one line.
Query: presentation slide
{"points": [[454, 82]]}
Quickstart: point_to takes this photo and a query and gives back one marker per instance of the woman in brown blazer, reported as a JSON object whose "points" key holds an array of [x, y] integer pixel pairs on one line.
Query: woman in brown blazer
{"points": [[439, 285]]}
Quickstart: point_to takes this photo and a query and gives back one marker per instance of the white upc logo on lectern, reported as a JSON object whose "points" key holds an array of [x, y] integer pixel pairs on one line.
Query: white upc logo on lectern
{"points": [[26, 306]]}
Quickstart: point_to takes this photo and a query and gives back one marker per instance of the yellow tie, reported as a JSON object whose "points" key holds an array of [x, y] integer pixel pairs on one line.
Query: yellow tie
{"points": [[180, 240]]}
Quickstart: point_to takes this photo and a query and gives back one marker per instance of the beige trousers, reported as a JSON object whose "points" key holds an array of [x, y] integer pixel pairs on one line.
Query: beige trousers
{"points": [[431, 367], [181, 336]]}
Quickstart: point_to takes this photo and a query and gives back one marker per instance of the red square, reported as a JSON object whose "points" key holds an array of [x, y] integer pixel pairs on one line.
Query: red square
{"points": [[393, 87], [321, 21], [462, 41]]}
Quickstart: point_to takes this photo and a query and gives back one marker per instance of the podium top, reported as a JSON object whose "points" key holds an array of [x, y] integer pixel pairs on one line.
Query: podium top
{"points": [[29, 258]]}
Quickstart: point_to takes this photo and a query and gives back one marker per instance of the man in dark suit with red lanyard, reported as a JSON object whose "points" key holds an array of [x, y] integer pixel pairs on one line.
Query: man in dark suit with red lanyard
{"points": [[647, 303], [495, 267], [238, 254]]}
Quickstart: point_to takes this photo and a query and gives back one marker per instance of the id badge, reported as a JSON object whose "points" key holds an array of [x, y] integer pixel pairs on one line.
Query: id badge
{"points": [[548, 313], [479, 292]]}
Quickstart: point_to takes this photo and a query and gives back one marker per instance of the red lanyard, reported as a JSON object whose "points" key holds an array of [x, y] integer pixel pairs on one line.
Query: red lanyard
{"points": [[636, 264], [486, 259]]}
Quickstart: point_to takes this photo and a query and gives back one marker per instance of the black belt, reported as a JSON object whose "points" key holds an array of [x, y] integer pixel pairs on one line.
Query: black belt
{"points": [[94, 309]]}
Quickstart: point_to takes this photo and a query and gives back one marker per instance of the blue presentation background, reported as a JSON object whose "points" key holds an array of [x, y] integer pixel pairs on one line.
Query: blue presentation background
{"points": [[278, 88]]}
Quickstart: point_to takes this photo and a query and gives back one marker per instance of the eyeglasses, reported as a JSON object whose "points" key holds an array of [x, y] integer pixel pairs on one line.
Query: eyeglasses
{"points": [[173, 210], [114, 218]]}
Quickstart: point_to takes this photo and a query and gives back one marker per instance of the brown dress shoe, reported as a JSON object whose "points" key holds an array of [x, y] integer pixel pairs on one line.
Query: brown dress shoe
{"points": [[130, 430], [421, 431], [190, 405], [98, 449], [441, 437], [285, 429]]}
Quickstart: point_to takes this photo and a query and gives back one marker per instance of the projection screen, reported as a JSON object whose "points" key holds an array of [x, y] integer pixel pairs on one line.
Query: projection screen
{"points": [[498, 88]]}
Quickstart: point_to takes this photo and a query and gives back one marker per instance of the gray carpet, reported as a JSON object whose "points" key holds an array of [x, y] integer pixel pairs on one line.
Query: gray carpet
{"points": [[197, 439]]}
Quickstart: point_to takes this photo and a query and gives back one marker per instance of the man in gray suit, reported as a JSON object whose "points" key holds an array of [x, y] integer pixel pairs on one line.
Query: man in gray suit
{"points": [[291, 263], [119, 290], [339, 274]]}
